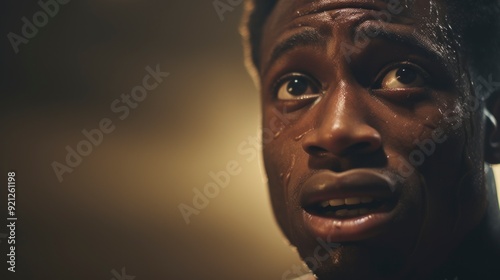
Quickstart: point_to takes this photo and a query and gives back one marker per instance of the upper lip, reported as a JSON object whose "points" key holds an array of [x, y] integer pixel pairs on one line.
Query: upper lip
{"points": [[327, 185]]}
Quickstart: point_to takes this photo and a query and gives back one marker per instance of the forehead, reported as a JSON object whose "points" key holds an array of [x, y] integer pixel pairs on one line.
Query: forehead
{"points": [[425, 21], [289, 14], [286, 9]]}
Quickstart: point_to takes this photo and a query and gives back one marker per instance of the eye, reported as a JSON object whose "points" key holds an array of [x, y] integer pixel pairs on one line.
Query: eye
{"points": [[296, 87], [404, 76]]}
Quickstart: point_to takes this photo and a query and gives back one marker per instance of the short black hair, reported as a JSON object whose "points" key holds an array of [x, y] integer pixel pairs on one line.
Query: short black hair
{"points": [[477, 21], [254, 17]]}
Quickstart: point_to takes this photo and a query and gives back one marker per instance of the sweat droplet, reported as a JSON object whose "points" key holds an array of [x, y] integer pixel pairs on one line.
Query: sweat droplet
{"points": [[277, 134], [298, 138], [286, 179]]}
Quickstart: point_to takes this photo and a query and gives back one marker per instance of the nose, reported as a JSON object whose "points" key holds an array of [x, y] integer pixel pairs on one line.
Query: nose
{"points": [[341, 129]]}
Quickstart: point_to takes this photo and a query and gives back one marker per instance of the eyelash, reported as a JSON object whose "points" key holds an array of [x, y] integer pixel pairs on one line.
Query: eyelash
{"points": [[376, 87], [288, 77], [386, 70]]}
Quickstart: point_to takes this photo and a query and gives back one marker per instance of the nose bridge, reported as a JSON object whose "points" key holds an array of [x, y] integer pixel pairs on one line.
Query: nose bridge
{"points": [[340, 107], [342, 124], [342, 111]]}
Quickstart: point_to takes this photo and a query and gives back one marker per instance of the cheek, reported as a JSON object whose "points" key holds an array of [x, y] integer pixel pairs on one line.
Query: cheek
{"points": [[433, 150], [433, 145], [285, 162], [429, 155], [281, 162], [279, 145], [427, 148], [423, 133]]}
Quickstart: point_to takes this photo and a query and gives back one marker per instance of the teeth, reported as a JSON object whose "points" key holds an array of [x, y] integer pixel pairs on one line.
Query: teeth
{"points": [[346, 201], [336, 202], [342, 212], [352, 200], [347, 213]]}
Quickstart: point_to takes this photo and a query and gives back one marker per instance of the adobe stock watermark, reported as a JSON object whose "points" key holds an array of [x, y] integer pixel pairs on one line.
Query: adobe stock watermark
{"points": [[427, 147], [223, 6], [219, 180], [363, 38], [321, 253], [49, 9], [121, 276], [122, 107]]}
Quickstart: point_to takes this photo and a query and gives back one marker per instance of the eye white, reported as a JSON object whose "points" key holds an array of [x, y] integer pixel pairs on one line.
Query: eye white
{"points": [[403, 77], [297, 88]]}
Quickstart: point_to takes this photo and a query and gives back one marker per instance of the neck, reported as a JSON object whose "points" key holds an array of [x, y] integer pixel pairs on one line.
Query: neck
{"points": [[478, 257]]}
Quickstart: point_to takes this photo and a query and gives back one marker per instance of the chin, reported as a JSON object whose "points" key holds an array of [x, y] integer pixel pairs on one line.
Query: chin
{"points": [[358, 261]]}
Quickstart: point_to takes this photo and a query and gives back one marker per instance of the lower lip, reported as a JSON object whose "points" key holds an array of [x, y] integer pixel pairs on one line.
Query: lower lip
{"points": [[350, 229]]}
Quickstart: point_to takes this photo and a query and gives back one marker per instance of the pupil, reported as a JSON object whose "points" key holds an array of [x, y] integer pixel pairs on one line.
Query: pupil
{"points": [[297, 86], [406, 75]]}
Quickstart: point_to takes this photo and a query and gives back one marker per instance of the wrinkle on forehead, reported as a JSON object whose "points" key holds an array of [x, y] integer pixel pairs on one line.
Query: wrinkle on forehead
{"points": [[426, 12], [304, 7]]}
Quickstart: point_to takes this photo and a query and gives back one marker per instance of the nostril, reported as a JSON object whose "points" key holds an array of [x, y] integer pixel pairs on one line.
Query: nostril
{"points": [[315, 150], [342, 141], [362, 146], [353, 149]]}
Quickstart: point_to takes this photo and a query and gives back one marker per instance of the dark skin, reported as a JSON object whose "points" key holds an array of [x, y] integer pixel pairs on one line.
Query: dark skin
{"points": [[358, 98]]}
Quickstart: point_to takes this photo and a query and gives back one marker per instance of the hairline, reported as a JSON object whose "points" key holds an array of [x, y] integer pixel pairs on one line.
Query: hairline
{"points": [[483, 48]]}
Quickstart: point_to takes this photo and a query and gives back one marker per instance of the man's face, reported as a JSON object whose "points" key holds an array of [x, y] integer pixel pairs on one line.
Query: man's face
{"points": [[369, 135]]}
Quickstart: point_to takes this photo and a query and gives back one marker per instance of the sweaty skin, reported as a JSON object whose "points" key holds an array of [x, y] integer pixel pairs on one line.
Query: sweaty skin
{"points": [[369, 99]]}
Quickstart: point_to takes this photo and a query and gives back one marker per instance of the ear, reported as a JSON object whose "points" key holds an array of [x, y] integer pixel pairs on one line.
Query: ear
{"points": [[492, 129]]}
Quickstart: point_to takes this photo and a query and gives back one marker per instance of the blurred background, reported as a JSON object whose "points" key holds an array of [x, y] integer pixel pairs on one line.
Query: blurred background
{"points": [[119, 208], [115, 214]]}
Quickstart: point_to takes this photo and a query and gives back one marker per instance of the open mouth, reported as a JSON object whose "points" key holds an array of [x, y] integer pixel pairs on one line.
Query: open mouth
{"points": [[349, 206], [343, 208]]}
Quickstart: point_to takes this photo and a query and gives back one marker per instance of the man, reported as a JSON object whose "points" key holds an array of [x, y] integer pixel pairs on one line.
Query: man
{"points": [[384, 122]]}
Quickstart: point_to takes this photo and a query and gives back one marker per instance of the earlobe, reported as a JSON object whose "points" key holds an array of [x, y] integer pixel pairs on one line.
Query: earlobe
{"points": [[492, 131]]}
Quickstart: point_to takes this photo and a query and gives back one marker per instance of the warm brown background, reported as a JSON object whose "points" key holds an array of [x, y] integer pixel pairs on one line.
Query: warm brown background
{"points": [[119, 208]]}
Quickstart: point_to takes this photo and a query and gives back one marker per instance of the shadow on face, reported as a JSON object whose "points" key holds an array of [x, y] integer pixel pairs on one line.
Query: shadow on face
{"points": [[372, 135]]}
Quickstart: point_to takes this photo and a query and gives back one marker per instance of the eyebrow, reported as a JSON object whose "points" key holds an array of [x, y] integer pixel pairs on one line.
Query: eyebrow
{"points": [[422, 43], [308, 37], [312, 37]]}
